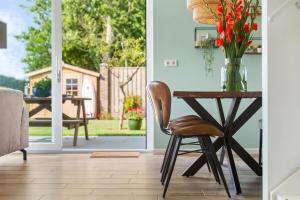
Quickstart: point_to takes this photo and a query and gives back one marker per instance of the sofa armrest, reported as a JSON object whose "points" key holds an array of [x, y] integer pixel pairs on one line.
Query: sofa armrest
{"points": [[24, 128]]}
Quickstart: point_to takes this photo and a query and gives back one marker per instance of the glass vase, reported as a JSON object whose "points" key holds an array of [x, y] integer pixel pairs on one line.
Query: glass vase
{"points": [[234, 76]]}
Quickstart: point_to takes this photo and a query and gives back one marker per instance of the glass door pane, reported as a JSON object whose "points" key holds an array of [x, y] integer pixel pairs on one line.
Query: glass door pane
{"points": [[104, 50], [27, 62]]}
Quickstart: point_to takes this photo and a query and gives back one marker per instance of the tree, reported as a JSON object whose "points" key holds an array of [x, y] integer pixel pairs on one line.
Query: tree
{"points": [[11, 82], [85, 25]]}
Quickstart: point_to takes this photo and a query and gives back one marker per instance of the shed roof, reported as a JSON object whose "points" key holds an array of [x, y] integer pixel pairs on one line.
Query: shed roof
{"points": [[65, 66]]}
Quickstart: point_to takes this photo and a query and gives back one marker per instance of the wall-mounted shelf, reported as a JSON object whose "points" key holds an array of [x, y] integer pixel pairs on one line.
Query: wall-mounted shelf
{"points": [[255, 48], [205, 37]]}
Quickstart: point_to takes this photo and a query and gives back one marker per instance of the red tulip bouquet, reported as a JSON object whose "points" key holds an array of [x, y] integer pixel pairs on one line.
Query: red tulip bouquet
{"points": [[236, 22]]}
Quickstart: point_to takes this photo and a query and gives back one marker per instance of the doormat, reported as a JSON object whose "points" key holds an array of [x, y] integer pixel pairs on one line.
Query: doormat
{"points": [[115, 154]]}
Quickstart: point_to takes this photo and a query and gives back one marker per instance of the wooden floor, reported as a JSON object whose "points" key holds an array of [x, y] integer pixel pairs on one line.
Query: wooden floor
{"points": [[78, 177]]}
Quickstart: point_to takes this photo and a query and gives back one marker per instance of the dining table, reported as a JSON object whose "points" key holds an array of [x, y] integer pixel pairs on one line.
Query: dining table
{"points": [[229, 124]]}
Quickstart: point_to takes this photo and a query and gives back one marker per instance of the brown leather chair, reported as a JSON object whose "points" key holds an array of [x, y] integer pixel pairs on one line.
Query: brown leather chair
{"points": [[180, 128]]}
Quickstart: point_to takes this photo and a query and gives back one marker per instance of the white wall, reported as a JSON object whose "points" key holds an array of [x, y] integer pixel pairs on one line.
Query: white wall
{"points": [[283, 93]]}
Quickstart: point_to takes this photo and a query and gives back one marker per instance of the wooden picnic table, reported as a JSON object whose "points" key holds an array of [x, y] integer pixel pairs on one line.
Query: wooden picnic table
{"points": [[69, 122]]}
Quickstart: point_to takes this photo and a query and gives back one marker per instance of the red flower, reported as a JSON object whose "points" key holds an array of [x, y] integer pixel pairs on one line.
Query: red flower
{"points": [[234, 26], [239, 3], [230, 23], [220, 41], [220, 9], [247, 28], [239, 9], [249, 42], [230, 14], [255, 26], [239, 39], [238, 16], [220, 28], [229, 35]]}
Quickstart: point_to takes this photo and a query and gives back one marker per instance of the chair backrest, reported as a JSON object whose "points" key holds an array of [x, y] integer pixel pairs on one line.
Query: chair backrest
{"points": [[160, 97]]}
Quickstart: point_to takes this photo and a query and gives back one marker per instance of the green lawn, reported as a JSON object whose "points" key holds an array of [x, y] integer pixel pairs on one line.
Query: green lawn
{"points": [[95, 128]]}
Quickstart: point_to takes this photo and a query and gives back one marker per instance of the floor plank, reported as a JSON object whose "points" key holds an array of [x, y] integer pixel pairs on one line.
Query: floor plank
{"points": [[78, 177]]}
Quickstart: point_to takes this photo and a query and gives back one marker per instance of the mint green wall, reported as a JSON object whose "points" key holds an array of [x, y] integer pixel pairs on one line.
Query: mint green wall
{"points": [[174, 39]]}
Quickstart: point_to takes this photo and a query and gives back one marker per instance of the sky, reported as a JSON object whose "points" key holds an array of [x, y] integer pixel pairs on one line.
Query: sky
{"points": [[18, 20]]}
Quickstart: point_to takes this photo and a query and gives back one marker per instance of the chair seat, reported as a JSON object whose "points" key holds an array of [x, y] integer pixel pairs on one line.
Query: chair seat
{"points": [[184, 119], [194, 127]]}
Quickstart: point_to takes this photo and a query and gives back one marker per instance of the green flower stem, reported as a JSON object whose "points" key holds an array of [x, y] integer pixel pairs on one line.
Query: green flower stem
{"points": [[233, 76]]}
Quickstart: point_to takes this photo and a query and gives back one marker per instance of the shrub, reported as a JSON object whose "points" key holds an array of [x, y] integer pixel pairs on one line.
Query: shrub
{"points": [[44, 84], [132, 102]]}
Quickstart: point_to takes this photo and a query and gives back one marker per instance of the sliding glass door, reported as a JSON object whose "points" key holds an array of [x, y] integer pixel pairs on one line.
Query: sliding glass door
{"points": [[32, 63], [98, 88], [48, 124], [51, 18]]}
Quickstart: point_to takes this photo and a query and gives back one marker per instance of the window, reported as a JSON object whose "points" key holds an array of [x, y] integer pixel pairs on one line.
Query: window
{"points": [[72, 87]]}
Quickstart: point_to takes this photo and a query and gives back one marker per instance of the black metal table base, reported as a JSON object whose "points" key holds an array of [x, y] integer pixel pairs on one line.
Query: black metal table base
{"points": [[229, 126]]}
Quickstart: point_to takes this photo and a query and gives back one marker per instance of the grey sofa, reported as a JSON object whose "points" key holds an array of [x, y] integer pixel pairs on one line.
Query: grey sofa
{"points": [[13, 123]]}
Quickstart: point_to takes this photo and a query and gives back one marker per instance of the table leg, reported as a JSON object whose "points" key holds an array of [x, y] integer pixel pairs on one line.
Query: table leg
{"points": [[78, 110], [230, 127], [85, 121], [246, 157], [231, 164], [235, 104], [75, 135], [77, 125], [222, 119], [39, 108], [202, 112], [237, 124]]}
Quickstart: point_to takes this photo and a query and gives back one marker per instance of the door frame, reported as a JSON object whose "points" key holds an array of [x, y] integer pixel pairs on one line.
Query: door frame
{"points": [[56, 75], [150, 70]]}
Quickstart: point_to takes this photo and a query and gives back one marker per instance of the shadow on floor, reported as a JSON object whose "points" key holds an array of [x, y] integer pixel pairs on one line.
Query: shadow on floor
{"points": [[99, 142]]}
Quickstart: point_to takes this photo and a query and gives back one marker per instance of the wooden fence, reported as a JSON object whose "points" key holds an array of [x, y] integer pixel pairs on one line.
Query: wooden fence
{"points": [[110, 93]]}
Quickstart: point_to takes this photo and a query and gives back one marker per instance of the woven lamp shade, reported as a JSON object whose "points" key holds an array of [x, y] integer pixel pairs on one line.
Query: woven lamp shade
{"points": [[191, 4], [203, 15]]}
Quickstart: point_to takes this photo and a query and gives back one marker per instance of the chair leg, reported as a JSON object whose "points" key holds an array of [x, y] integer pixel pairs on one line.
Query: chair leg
{"points": [[222, 155], [208, 167], [209, 159], [260, 146], [24, 154], [168, 160], [172, 163], [214, 156], [166, 153]]}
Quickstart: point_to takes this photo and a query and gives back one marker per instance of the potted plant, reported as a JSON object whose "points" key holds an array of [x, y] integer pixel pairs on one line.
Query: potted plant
{"points": [[236, 22], [208, 46], [135, 118], [134, 111], [42, 88]]}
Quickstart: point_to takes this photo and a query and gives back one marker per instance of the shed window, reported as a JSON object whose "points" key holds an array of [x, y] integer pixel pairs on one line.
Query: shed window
{"points": [[72, 86]]}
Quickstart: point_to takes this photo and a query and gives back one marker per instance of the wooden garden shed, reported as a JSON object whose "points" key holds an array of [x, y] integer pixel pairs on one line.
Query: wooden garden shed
{"points": [[77, 82]]}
